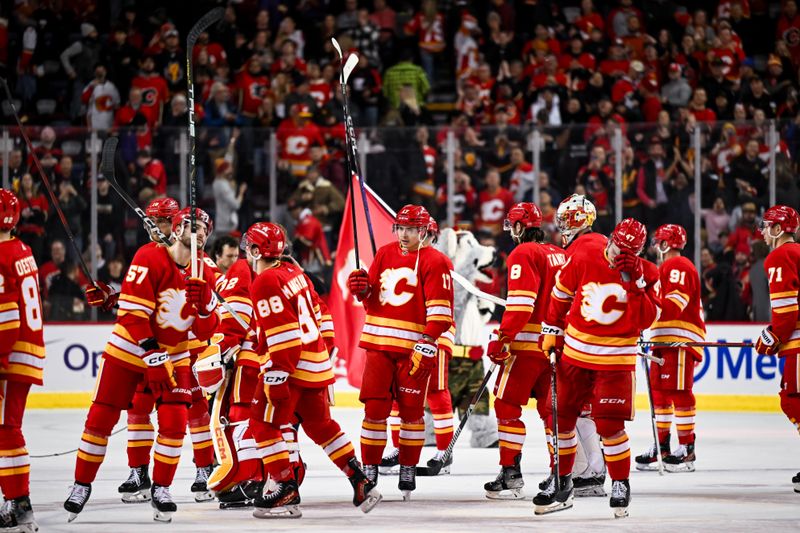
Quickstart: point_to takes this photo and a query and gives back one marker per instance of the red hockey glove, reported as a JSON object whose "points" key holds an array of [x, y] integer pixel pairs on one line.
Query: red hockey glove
{"points": [[768, 343], [423, 359], [551, 338], [498, 349], [631, 268], [200, 295], [276, 386], [358, 284], [208, 369], [159, 373], [101, 295]]}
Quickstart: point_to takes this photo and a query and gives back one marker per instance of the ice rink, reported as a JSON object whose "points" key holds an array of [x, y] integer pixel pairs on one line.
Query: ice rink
{"points": [[742, 483]]}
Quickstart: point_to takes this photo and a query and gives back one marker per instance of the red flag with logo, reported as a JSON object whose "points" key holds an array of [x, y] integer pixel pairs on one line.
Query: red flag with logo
{"points": [[348, 313]]}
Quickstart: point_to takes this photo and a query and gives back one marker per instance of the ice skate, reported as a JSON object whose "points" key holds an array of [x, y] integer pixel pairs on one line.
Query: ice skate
{"points": [[436, 466], [549, 501], [796, 483], [390, 465], [365, 495], [17, 515], [648, 460], [591, 485], [620, 497], [78, 496], [200, 487], [408, 481], [241, 495], [508, 484], [282, 501], [163, 506], [136, 488], [682, 460]]}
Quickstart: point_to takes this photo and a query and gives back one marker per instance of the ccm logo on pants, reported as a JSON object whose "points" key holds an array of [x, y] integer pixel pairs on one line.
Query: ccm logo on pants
{"points": [[410, 391], [619, 401]]}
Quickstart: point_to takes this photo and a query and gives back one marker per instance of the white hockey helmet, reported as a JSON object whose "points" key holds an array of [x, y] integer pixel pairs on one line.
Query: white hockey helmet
{"points": [[574, 214]]}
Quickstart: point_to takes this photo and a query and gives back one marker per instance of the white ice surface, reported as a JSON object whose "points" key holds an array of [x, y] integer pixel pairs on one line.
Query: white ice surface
{"points": [[743, 483]]}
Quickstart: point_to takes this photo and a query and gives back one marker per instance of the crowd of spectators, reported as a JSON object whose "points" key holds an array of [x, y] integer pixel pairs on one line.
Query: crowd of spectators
{"points": [[482, 75]]}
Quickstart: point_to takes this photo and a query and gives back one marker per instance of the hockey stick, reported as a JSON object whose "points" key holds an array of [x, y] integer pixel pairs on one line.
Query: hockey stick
{"points": [[50, 192], [688, 344], [202, 25], [108, 171], [554, 408], [350, 134], [653, 417], [475, 291]]}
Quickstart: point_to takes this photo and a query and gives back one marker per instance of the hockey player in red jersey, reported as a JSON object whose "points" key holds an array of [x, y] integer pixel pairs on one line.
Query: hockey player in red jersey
{"points": [[21, 363], [159, 305], [601, 302], [681, 320], [408, 298], [782, 337], [295, 377], [525, 371]]}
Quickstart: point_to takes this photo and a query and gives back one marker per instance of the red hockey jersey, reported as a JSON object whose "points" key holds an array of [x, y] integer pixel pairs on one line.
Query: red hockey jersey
{"points": [[412, 295], [152, 304], [492, 209], [284, 301], [781, 266], [532, 269], [234, 286], [604, 322], [20, 314], [681, 318]]}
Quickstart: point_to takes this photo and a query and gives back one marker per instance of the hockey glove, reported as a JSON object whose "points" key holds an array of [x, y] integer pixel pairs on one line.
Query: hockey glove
{"points": [[159, 373], [423, 359], [101, 295], [498, 348], [358, 284], [200, 295], [768, 343], [631, 268], [208, 369], [552, 338], [276, 386]]}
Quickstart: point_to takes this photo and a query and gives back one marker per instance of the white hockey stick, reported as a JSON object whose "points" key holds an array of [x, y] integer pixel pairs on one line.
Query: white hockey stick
{"points": [[475, 291]]}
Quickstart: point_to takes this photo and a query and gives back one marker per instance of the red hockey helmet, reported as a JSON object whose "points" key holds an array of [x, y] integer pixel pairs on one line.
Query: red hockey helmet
{"points": [[413, 216], [630, 235], [183, 217], [673, 234], [165, 207], [526, 213], [264, 239], [9, 210], [783, 215], [433, 229]]}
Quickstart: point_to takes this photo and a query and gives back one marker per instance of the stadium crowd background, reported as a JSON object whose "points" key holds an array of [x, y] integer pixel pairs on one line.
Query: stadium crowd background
{"points": [[487, 71]]}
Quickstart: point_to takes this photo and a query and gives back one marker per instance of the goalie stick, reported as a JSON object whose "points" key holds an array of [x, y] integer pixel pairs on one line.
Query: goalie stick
{"points": [[108, 171], [50, 192]]}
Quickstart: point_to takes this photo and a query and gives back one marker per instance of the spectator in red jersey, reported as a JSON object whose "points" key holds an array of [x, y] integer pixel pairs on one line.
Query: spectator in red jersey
{"points": [[465, 200], [47, 151], [154, 90], [34, 211], [635, 39], [619, 19], [623, 93], [428, 26], [651, 103], [132, 124], [153, 174], [215, 52], [746, 232], [596, 178], [788, 30], [698, 109], [589, 19], [49, 270], [320, 88], [309, 239], [494, 201], [252, 85], [576, 60], [296, 135], [616, 64], [288, 62]]}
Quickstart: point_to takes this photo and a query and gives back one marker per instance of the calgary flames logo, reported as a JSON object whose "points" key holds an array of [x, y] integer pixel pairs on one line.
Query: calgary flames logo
{"points": [[595, 296], [389, 280], [170, 310]]}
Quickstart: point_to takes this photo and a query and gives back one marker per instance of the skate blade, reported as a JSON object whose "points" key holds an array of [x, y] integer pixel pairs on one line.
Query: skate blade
{"points": [[554, 507], [228, 506], [651, 467], [509, 494], [797, 488], [406, 495], [389, 470], [31, 527], [285, 511], [683, 467], [135, 497], [162, 516], [590, 492], [374, 497], [71, 517], [620, 512], [205, 496]]}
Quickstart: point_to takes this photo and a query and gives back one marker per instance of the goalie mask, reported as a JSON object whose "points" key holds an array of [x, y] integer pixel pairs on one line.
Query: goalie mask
{"points": [[574, 214]]}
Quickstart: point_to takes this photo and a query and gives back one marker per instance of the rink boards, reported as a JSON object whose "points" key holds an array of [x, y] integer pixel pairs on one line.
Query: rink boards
{"points": [[728, 379]]}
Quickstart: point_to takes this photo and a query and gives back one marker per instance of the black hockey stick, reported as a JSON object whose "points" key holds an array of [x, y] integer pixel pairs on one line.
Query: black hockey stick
{"points": [[202, 25], [689, 344], [656, 442], [350, 135], [107, 169], [426, 471], [50, 192]]}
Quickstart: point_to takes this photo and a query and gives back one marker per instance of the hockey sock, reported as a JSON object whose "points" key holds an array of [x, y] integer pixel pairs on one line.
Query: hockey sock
{"points": [[684, 415], [510, 430], [616, 447], [140, 439], [412, 438], [273, 450], [373, 441], [790, 405], [442, 410], [171, 430], [290, 438], [663, 421], [201, 436], [394, 424], [15, 465], [567, 447], [338, 447], [548, 438], [92, 448]]}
